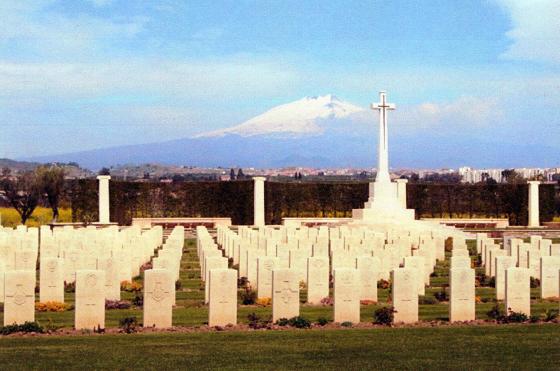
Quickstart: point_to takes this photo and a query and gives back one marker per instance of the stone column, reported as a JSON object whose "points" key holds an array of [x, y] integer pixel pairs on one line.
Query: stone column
{"points": [[534, 203], [401, 191], [104, 199], [259, 201]]}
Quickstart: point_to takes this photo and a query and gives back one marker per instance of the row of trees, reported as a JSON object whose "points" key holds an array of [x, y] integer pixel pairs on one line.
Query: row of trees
{"points": [[291, 199], [234, 199], [25, 191]]}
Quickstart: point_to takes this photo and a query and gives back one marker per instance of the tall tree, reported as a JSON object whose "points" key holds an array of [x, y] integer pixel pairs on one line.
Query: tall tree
{"points": [[22, 192], [232, 174], [50, 180]]}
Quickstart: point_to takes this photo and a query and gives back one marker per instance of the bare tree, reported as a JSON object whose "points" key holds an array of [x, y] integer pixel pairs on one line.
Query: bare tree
{"points": [[22, 192], [50, 180]]}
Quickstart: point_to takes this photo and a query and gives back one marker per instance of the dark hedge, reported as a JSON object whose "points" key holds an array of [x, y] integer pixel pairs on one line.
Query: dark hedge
{"points": [[296, 199]]}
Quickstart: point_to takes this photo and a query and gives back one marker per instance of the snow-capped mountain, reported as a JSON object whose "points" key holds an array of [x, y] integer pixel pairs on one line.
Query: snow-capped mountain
{"points": [[307, 116], [314, 132]]}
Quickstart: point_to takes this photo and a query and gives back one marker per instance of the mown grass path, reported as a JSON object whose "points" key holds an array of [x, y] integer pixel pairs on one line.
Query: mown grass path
{"points": [[475, 347]]}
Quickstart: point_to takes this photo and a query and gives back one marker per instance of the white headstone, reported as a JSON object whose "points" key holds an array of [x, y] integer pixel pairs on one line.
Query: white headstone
{"points": [[285, 294], [461, 298], [90, 300], [405, 295], [222, 306], [19, 297], [158, 298], [317, 279], [346, 295], [518, 291], [51, 280]]}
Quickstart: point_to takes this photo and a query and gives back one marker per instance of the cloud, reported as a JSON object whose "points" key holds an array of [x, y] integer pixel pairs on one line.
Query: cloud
{"points": [[535, 29], [233, 77], [33, 29], [471, 112]]}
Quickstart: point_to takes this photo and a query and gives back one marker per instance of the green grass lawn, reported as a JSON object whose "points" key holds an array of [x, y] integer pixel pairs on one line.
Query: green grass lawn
{"points": [[475, 347], [461, 347]]}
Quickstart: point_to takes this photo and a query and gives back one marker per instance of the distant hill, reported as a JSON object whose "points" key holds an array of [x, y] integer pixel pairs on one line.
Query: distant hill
{"points": [[72, 170], [17, 166]]}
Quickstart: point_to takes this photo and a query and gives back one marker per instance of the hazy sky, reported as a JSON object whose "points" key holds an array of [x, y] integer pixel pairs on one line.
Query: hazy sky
{"points": [[77, 74]]}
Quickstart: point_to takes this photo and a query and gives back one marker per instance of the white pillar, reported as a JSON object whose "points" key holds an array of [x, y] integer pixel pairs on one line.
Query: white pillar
{"points": [[534, 203], [104, 199], [401, 191], [259, 201]]}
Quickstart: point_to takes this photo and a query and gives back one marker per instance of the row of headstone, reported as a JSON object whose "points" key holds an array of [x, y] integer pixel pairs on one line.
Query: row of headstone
{"points": [[159, 290], [539, 257], [256, 252], [95, 286], [351, 284], [286, 295]]}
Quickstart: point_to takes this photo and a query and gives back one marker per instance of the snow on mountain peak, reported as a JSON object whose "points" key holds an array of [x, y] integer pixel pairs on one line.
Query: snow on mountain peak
{"points": [[302, 117]]}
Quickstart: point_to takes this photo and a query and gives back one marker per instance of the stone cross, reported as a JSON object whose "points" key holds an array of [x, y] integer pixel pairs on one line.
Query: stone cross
{"points": [[383, 150]]}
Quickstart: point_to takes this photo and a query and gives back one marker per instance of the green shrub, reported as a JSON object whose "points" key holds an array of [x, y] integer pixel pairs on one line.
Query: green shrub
{"points": [[69, 287], [347, 324], [535, 282], [515, 317], [128, 325], [248, 296], [138, 300], [299, 322], [256, 322], [496, 312], [550, 315], [534, 318], [427, 300], [242, 282], [384, 316], [322, 321], [282, 322], [383, 284], [26, 327], [490, 282], [442, 295]]}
